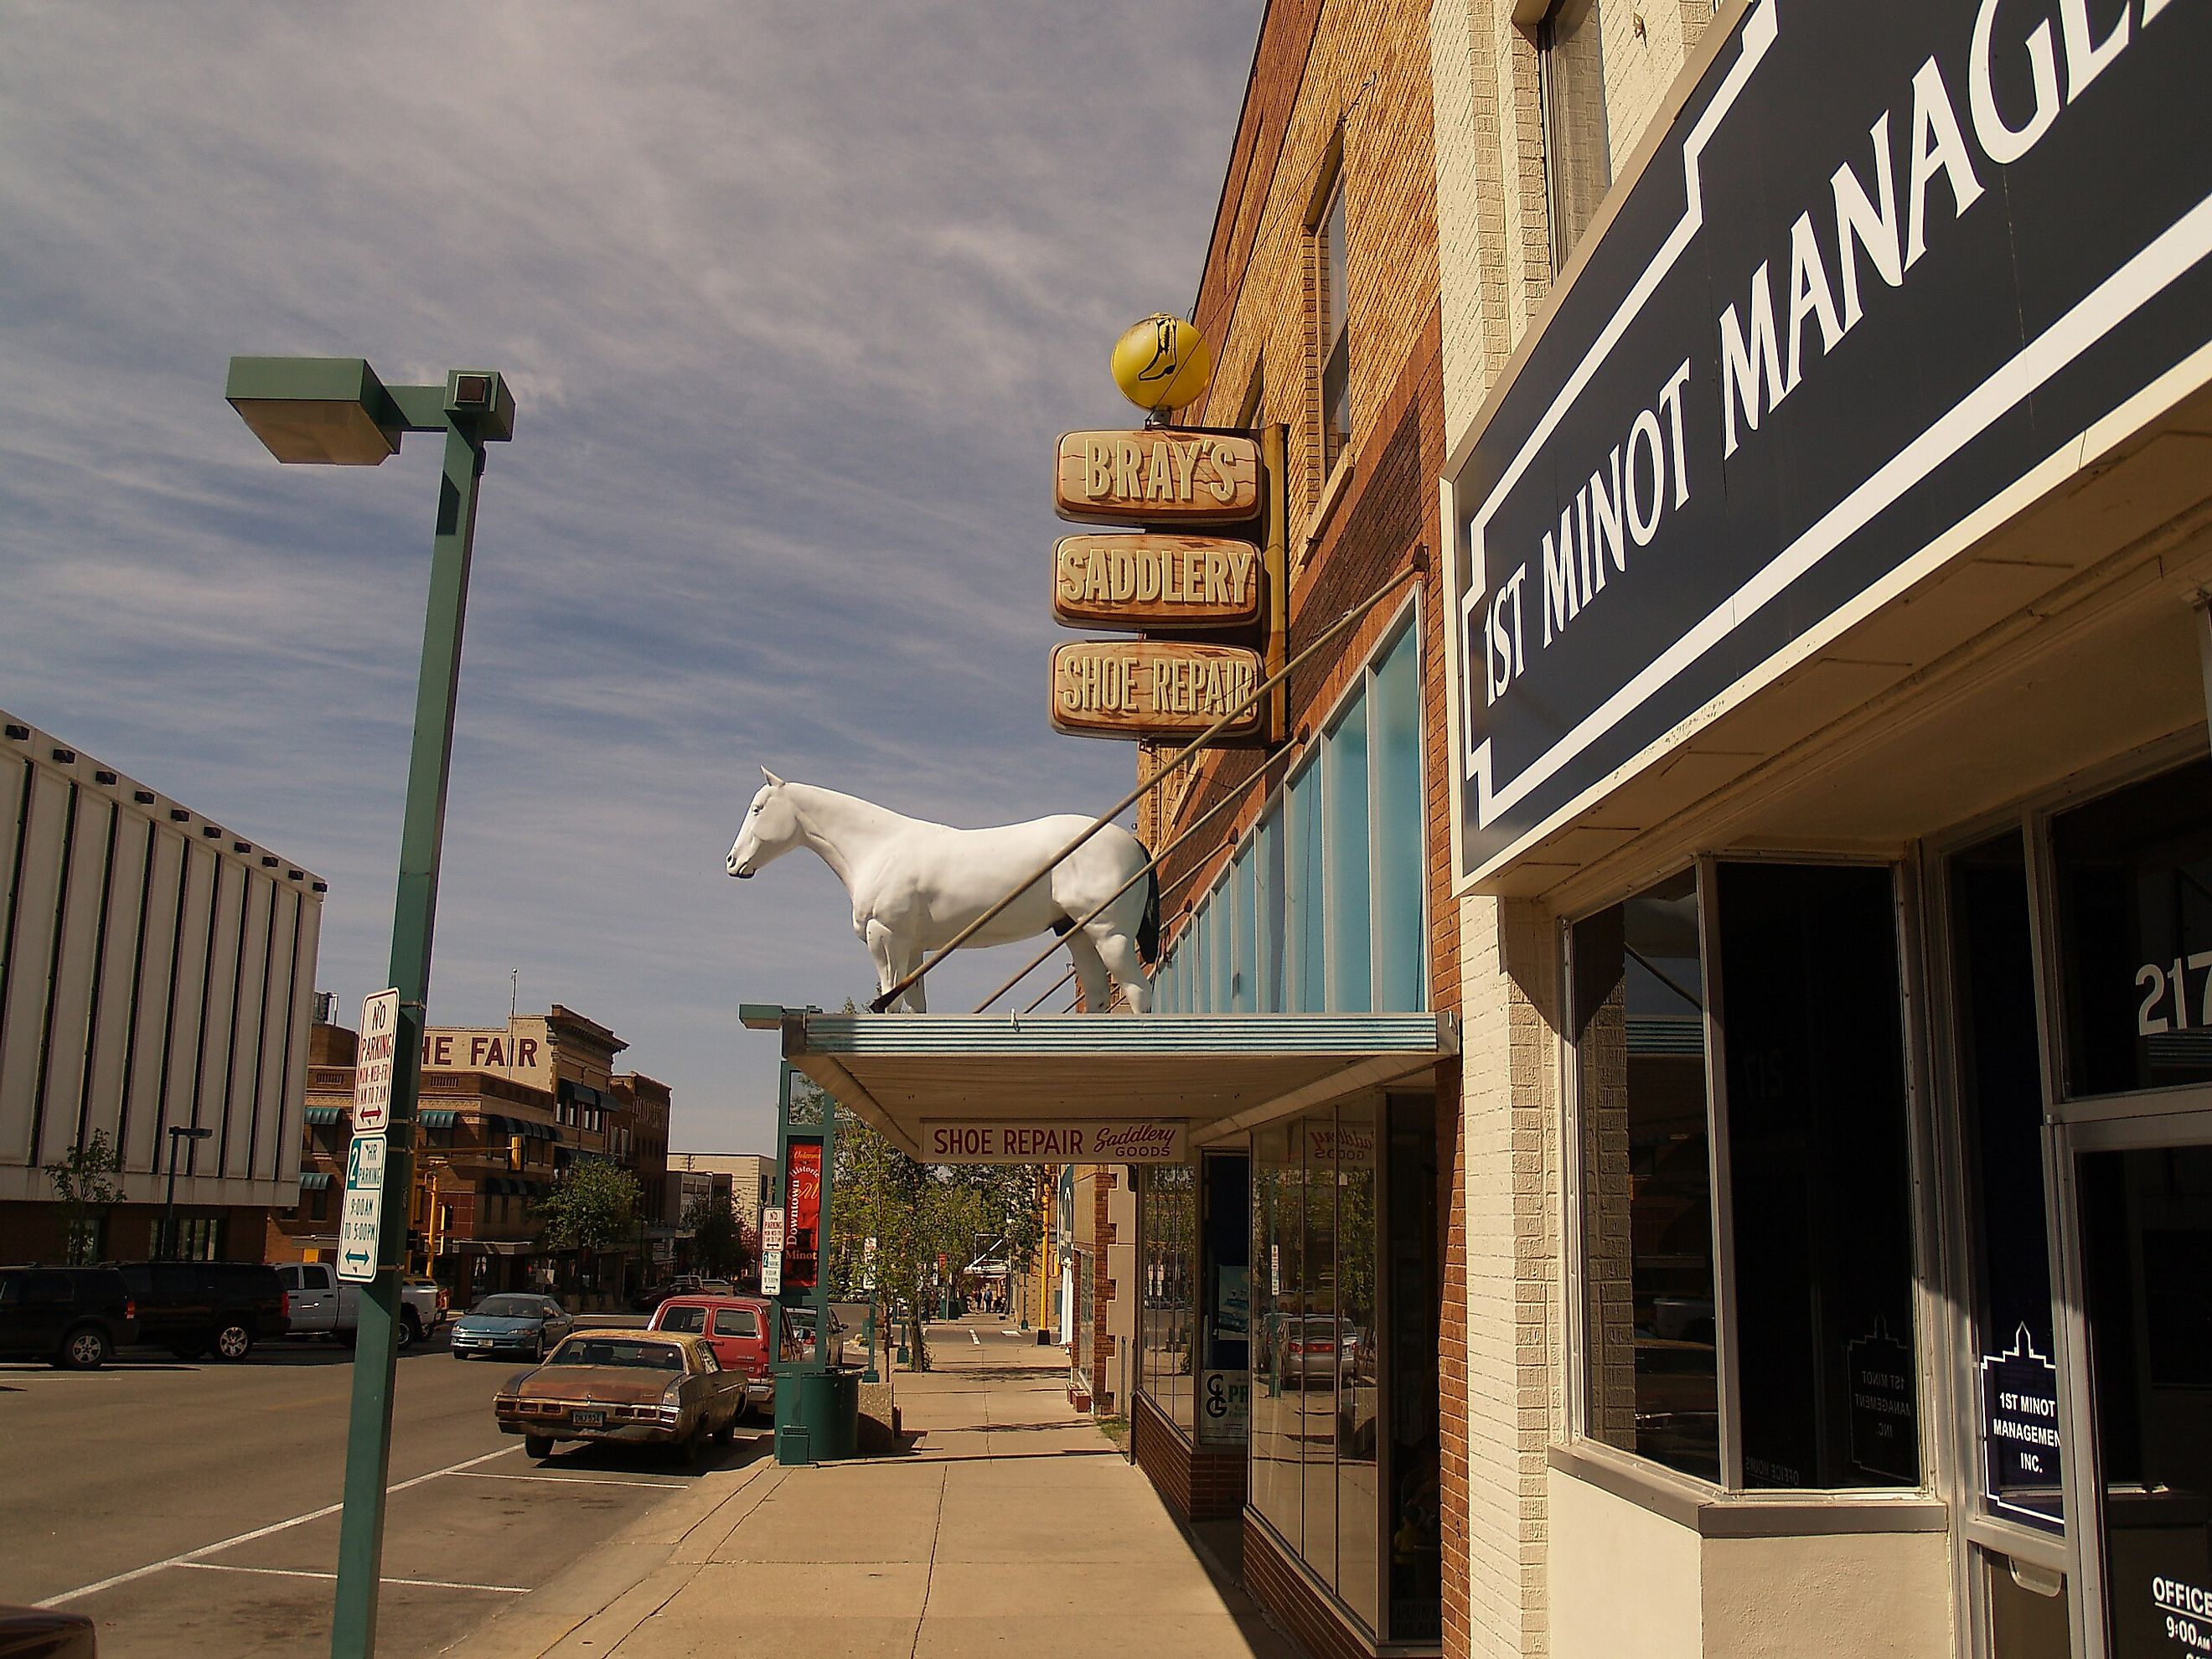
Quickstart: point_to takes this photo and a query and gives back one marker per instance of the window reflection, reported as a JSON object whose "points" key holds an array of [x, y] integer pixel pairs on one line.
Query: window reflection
{"points": [[1647, 1180], [1168, 1241], [1278, 1412]]}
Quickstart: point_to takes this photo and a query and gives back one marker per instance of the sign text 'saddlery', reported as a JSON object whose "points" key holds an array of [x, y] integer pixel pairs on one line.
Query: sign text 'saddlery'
{"points": [[1155, 582], [1119, 1141]]}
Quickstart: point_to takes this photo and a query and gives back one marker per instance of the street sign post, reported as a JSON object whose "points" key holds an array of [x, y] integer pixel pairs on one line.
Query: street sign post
{"points": [[358, 1227], [772, 1251], [373, 1062]]}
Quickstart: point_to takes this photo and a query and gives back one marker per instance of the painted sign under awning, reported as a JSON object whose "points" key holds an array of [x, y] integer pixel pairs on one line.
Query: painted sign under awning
{"points": [[1104, 1140]]}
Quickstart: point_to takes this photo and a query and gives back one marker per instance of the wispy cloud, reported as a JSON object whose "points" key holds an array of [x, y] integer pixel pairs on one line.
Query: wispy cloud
{"points": [[794, 299]]}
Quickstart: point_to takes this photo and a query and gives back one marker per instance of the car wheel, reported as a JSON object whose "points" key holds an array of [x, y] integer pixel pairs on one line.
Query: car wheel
{"points": [[727, 1434], [84, 1349], [537, 1446], [538, 1348], [409, 1333], [233, 1342], [693, 1450]]}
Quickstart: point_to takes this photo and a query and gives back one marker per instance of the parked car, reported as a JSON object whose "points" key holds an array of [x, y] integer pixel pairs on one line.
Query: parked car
{"points": [[193, 1308], [802, 1322], [73, 1318], [749, 1335], [640, 1388], [322, 1306], [653, 1295], [1318, 1349], [513, 1321], [47, 1633]]}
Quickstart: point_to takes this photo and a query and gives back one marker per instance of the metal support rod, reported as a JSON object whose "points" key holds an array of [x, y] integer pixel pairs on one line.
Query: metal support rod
{"points": [[414, 918], [1142, 870], [1182, 755]]}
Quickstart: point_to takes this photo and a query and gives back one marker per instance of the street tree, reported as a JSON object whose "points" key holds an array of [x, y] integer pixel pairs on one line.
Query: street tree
{"points": [[593, 1204], [85, 1185], [721, 1244]]}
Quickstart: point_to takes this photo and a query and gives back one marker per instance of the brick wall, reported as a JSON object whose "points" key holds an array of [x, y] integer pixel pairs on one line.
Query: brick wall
{"points": [[1202, 1483], [1275, 1578], [1100, 1336]]}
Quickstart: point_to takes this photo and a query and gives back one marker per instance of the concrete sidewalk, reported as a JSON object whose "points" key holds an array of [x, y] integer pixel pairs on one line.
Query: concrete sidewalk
{"points": [[1011, 1526]]}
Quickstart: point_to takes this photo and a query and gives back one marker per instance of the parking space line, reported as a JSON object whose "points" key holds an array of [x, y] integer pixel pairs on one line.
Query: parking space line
{"points": [[188, 1557], [577, 1479], [303, 1573]]}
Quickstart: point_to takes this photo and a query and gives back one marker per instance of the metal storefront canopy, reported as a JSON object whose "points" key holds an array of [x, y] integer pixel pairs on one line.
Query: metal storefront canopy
{"points": [[324, 1116], [1220, 1075]]}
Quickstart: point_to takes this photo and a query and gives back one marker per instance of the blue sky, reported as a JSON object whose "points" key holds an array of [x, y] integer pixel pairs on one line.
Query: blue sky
{"points": [[794, 301]]}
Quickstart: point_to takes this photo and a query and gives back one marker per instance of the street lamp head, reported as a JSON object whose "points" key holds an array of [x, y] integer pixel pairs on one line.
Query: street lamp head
{"points": [[187, 1131], [480, 398], [331, 411]]}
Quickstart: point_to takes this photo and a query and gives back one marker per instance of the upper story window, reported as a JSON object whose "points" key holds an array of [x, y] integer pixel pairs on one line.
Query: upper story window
{"points": [[1333, 332], [1577, 146]]}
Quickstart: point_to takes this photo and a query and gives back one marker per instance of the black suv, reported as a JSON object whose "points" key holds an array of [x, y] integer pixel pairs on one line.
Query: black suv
{"points": [[193, 1308], [73, 1318]]}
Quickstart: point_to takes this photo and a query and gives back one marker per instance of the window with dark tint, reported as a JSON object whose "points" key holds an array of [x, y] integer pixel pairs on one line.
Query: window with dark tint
{"points": [[2135, 934], [1168, 1242], [1413, 1516], [683, 1319], [2001, 1094], [1647, 1180], [1335, 333], [1228, 1258], [2147, 1257], [736, 1322], [1577, 140], [1820, 1175]]}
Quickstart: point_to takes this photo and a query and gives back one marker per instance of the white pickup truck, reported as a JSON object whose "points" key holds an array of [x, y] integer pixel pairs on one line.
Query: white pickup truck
{"points": [[321, 1306]]}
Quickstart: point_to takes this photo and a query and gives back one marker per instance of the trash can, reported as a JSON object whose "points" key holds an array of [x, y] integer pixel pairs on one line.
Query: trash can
{"points": [[817, 1416]]}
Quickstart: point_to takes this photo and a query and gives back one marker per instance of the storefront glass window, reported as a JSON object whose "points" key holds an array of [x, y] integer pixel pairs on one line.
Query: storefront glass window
{"points": [[1647, 1181], [2001, 1092], [1228, 1307], [1358, 1392], [1278, 1222], [1344, 807], [1168, 1247], [1313, 1343], [1820, 1179], [1414, 1254], [2134, 897]]}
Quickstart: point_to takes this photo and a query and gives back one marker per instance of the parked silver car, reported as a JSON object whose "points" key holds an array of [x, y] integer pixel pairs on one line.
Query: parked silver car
{"points": [[511, 1322]]}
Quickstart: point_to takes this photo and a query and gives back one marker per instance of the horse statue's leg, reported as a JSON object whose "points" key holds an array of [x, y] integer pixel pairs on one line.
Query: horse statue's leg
{"points": [[1090, 972], [1119, 952]]}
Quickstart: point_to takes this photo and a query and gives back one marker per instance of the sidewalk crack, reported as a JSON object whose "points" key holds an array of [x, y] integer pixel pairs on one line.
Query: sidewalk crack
{"points": [[929, 1575]]}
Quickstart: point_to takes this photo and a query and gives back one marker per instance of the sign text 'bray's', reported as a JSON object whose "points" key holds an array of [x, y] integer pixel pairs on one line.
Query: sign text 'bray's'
{"points": [[1156, 477], [1119, 1140]]}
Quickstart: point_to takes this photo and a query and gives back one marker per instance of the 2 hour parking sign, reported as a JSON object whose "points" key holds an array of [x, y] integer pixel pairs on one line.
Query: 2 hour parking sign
{"points": [[364, 1209]]}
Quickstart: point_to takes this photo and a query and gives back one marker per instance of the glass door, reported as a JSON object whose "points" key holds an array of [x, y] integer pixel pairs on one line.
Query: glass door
{"points": [[2141, 1212]]}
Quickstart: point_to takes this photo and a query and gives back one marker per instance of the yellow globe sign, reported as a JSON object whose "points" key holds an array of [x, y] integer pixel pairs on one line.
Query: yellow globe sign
{"points": [[1163, 362]]}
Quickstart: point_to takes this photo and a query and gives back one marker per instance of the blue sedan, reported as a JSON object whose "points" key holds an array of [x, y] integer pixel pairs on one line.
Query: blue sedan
{"points": [[511, 1323]]}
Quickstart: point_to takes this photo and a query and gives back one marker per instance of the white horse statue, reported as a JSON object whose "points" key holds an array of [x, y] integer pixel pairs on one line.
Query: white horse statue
{"points": [[916, 884]]}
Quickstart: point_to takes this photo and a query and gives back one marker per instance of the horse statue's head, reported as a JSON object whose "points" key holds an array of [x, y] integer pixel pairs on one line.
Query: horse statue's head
{"points": [[771, 829]]}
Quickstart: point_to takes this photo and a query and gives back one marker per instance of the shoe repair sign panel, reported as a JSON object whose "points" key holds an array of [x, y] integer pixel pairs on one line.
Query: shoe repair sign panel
{"points": [[1886, 263]]}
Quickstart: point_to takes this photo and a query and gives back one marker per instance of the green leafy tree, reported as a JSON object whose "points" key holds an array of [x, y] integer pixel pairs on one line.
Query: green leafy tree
{"points": [[720, 1243], [926, 1220], [84, 1183], [593, 1204]]}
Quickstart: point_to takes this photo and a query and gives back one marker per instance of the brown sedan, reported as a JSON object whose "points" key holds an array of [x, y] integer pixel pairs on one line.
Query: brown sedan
{"points": [[644, 1387]]}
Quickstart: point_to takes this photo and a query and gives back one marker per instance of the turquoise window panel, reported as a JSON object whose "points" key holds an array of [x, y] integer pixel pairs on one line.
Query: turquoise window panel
{"points": [[1243, 974], [1305, 956], [1346, 900], [1401, 934], [1267, 905]]}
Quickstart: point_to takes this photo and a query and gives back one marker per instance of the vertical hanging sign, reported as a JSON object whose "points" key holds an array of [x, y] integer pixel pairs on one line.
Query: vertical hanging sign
{"points": [[802, 1227]]}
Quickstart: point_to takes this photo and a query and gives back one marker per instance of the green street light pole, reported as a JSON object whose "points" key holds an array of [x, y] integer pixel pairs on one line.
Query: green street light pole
{"points": [[334, 410]]}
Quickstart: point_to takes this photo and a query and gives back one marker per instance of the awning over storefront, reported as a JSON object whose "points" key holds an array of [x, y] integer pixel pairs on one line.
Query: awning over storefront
{"points": [[314, 1181], [496, 1247], [437, 1117], [1218, 1074], [324, 1116]]}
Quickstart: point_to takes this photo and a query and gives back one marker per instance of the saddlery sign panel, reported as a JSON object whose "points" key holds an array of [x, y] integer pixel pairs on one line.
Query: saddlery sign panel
{"points": [[1889, 257]]}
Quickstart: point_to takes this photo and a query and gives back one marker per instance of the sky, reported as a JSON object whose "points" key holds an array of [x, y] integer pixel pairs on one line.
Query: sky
{"points": [[794, 301]]}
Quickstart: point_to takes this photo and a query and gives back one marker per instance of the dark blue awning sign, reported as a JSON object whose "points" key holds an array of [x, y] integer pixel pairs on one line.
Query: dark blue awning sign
{"points": [[1890, 270]]}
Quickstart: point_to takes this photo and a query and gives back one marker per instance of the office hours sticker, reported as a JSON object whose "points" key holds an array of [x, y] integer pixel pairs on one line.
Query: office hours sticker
{"points": [[2185, 1608]]}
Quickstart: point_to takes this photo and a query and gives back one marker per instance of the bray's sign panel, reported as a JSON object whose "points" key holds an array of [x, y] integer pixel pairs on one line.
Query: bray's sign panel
{"points": [[1156, 477], [1888, 257]]}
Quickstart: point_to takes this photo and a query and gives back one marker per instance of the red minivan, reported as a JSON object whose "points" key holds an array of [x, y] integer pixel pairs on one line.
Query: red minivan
{"points": [[738, 1328]]}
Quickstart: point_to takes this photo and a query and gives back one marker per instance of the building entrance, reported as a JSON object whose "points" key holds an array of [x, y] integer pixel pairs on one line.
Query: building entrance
{"points": [[2142, 1205]]}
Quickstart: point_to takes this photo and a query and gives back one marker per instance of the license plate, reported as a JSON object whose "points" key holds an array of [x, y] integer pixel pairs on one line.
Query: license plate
{"points": [[587, 1419]]}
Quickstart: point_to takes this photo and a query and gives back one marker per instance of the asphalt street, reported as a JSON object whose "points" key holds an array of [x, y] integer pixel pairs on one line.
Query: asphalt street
{"points": [[191, 1508]]}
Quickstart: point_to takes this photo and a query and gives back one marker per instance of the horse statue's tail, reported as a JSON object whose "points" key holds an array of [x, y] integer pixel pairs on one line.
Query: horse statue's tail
{"points": [[1148, 930]]}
